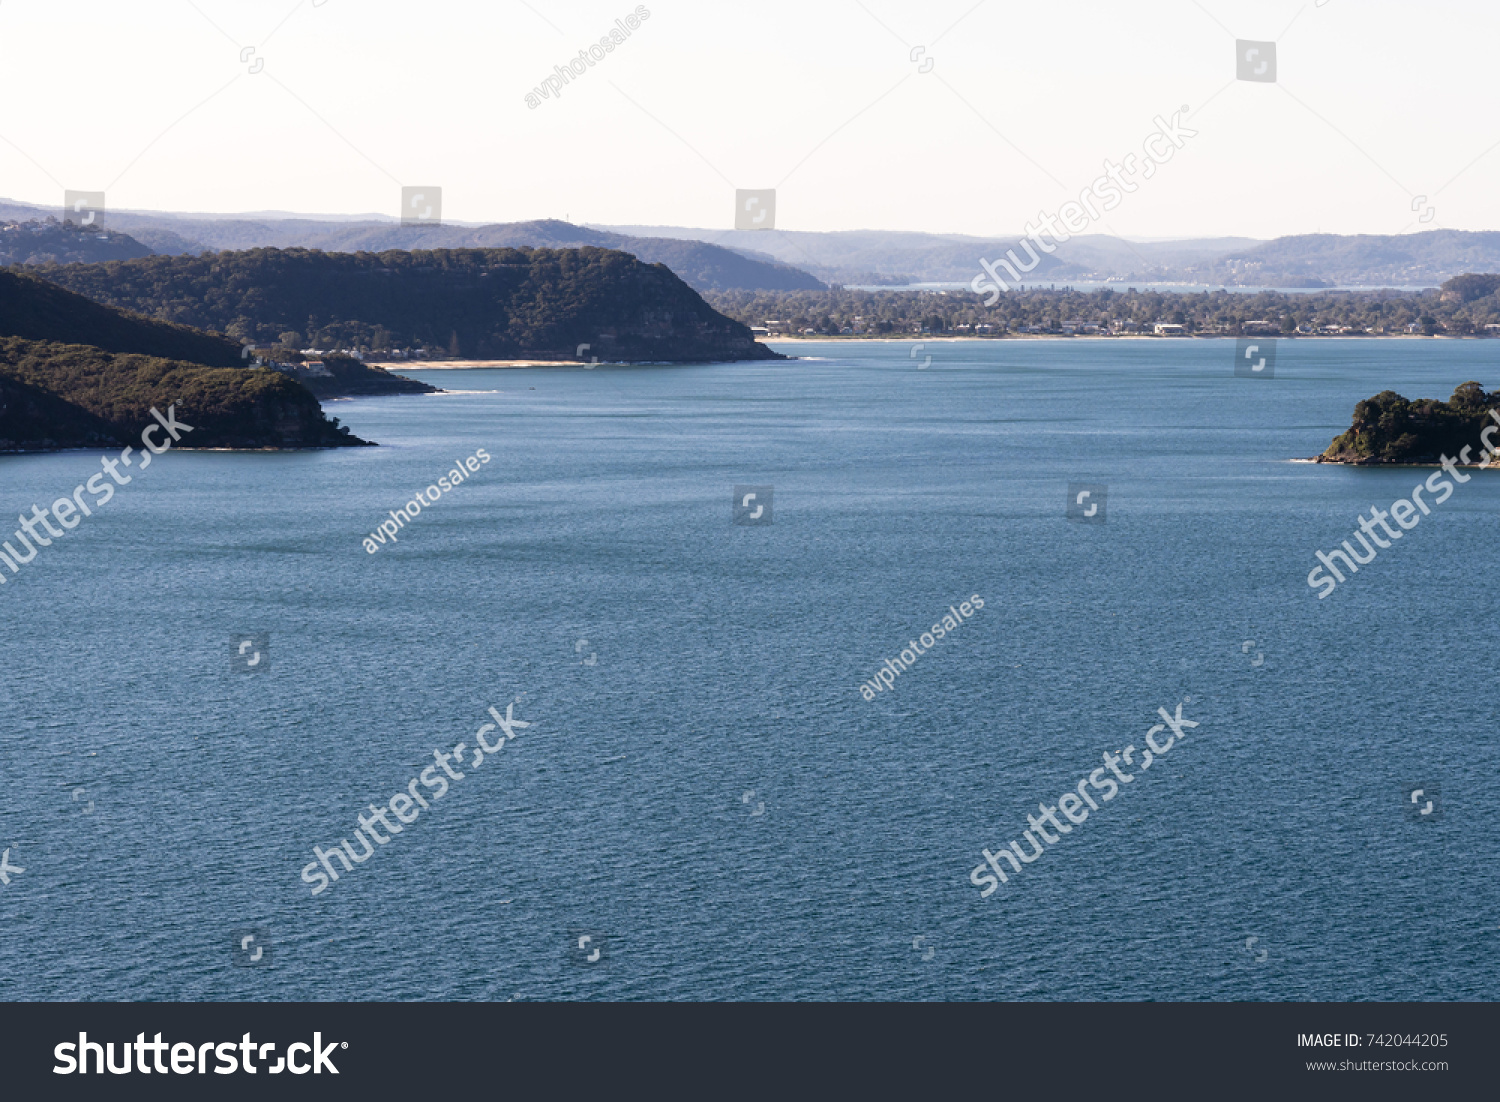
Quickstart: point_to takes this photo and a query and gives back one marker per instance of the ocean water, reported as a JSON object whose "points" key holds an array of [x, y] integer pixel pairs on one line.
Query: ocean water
{"points": [[704, 792]]}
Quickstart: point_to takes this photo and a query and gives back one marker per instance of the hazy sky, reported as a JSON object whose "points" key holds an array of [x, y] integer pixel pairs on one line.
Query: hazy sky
{"points": [[1375, 104]]}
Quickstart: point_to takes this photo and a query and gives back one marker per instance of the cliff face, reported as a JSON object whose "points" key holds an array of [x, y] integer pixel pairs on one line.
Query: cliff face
{"points": [[1389, 429], [73, 396]]}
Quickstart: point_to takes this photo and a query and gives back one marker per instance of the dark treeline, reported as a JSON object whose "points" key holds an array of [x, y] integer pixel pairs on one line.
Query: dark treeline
{"points": [[463, 303], [77, 374], [1463, 306], [1391, 429]]}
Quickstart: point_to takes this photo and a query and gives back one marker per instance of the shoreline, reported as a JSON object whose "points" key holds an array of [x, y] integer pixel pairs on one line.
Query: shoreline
{"points": [[1490, 466], [466, 365], [928, 337]]}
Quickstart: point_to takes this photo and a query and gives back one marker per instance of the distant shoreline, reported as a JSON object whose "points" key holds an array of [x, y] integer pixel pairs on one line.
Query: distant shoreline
{"points": [[463, 365], [908, 338]]}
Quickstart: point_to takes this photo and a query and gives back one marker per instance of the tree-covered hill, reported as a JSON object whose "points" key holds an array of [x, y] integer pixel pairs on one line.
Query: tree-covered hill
{"points": [[701, 265], [1391, 429], [34, 419], [471, 303], [74, 373], [72, 395], [39, 310], [1413, 259]]}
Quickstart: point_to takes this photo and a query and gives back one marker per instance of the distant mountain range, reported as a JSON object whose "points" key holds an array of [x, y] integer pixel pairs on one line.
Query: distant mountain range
{"points": [[886, 258], [702, 266], [874, 257], [52, 242], [722, 260]]}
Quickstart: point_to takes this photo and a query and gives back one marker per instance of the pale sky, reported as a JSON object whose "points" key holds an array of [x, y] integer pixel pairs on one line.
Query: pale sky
{"points": [[1376, 103]]}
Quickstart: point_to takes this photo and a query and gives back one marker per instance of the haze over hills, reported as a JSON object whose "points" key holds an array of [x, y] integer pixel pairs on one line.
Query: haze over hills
{"points": [[53, 242], [1408, 260], [875, 257], [703, 266], [722, 260], [880, 257]]}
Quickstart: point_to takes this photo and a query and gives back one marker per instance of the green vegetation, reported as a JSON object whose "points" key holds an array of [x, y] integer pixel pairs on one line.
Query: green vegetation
{"points": [[228, 407], [467, 303], [1463, 306], [1390, 429], [77, 374], [41, 311], [33, 419], [348, 378]]}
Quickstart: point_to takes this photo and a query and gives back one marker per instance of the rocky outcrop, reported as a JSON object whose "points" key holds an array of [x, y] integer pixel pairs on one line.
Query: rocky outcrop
{"points": [[1391, 430]]}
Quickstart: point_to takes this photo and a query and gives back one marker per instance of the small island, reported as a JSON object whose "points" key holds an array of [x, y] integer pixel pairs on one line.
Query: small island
{"points": [[1389, 430]]}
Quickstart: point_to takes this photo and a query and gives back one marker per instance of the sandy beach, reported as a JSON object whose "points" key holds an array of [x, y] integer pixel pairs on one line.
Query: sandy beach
{"points": [[462, 365]]}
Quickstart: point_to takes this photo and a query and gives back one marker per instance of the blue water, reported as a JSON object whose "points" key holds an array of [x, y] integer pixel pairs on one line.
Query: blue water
{"points": [[727, 661]]}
